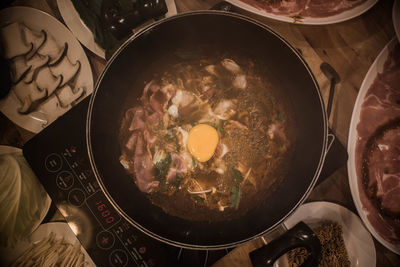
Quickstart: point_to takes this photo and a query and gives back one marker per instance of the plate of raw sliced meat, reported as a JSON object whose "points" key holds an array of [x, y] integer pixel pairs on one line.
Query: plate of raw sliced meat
{"points": [[311, 12], [374, 148]]}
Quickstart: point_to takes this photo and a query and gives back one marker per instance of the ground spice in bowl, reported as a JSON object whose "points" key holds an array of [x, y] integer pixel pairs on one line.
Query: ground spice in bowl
{"points": [[334, 252]]}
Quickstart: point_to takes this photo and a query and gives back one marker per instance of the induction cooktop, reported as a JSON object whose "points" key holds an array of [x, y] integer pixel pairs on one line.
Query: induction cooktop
{"points": [[59, 157]]}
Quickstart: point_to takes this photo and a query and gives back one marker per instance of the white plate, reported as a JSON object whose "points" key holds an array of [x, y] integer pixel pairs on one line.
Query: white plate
{"points": [[45, 206], [82, 32], [359, 244], [376, 67], [346, 15], [47, 203], [9, 149], [62, 230], [38, 20], [396, 18]]}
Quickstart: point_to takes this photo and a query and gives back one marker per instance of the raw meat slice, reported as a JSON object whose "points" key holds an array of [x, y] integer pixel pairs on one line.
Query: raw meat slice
{"points": [[381, 168]]}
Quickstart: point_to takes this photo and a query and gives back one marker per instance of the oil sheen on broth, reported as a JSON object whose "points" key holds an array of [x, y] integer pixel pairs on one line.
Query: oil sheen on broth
{"points": [[226, 108]]}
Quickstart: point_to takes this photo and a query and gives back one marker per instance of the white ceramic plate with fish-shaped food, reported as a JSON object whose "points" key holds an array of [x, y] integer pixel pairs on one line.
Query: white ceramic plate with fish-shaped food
{"points": [[357, 240], [293, 16], [74, 68]]}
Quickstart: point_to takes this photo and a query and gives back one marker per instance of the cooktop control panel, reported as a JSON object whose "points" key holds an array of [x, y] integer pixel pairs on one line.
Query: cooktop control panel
{"points": [[59, 157]]}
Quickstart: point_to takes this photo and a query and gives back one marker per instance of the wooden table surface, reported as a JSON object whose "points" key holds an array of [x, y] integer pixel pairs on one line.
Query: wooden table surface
{"points": [[350, 47]]}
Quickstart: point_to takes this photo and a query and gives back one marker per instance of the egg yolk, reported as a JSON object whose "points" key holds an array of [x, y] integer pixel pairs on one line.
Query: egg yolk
{"points": [[202, 142]]}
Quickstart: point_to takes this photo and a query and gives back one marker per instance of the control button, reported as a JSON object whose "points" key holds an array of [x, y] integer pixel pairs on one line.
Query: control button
{"points": [[76, 197], [118, 258], [53, 162], [105, 240], [65, 180], [142, 250], [151, 262]]}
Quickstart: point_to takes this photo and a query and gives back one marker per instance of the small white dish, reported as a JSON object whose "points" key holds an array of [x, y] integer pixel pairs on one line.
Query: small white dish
{"points": [[83, 33], [358, 241]]}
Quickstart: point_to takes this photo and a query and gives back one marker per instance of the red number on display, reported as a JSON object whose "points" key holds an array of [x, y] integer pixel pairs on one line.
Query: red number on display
{"points": [[109, 219], [105, 213], [101, 207]]}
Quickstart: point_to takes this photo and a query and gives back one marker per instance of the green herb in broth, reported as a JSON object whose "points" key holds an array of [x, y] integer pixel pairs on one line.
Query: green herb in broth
{"points": [[235, 190], [162, 168], [177, 181], [197, 198]]}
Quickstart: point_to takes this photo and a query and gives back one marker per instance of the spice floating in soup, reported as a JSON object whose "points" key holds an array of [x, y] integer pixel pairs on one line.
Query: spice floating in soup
{"points": [[207, 140]]}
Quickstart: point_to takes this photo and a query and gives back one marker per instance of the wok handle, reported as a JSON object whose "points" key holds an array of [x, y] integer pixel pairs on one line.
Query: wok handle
{"points": [[299, 236], [330, 97]]}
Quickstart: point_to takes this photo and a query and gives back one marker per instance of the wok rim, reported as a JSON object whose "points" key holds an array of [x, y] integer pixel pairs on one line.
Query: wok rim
{"points": [[143, 228]]}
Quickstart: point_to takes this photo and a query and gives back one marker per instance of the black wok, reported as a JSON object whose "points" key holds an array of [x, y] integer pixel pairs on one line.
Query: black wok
{"points": [[180, 33]]}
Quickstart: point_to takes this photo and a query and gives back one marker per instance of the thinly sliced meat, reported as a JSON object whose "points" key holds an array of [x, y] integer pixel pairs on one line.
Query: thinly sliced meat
{"points": [[131, 144], [285, 8], [143, 167], [141, 118], [137, 122], [152, 118], [323, 8], [225, 109], [305, 8], [148, 90], [157, 101], [382, 168], [391, 201], [232, 125], [377, 162], [169, 90], [177, 166], [149, 138]]}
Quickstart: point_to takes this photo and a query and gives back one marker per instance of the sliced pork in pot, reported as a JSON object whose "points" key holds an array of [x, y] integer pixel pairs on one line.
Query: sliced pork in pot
{"points": [[245, 131]]}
